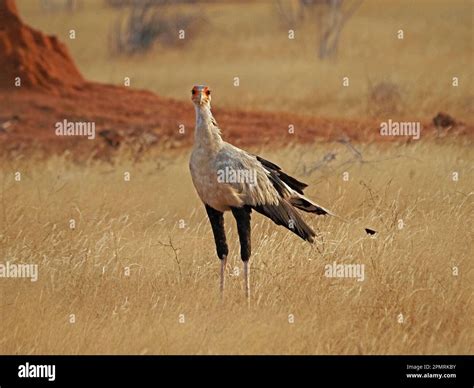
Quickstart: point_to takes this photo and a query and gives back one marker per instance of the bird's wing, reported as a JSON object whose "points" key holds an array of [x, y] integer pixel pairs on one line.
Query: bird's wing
{"points": [[268, 190], [276, 171], [291, 189], [246, 175]]}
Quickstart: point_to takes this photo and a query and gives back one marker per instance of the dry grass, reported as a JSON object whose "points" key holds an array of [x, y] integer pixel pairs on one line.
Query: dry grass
{"points": [[249, 41], [125, 224]]}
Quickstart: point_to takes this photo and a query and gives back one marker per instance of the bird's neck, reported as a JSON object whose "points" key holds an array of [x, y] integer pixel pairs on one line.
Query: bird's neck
{"points": [[207, 133]]}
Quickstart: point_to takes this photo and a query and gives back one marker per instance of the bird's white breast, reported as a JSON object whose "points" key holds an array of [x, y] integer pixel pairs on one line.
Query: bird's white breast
{"points": [[218, 195]]}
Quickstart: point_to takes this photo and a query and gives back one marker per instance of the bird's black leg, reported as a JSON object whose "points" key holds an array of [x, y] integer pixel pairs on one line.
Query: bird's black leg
{"points": [[242, 216], [217, 223]]}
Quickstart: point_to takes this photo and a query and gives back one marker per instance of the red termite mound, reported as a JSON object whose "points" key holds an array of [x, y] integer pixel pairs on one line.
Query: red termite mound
{"points": [[40, 61]]}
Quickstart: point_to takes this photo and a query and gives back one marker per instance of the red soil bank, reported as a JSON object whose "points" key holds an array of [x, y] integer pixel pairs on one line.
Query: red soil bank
{"points": [[41, 61]]}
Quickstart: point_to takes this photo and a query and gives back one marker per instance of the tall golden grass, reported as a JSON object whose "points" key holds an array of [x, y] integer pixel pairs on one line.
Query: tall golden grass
{"points": [[139, 274]]}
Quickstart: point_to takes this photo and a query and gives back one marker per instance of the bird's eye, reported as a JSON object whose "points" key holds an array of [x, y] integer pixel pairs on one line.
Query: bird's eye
{"points": [[193, 92], [208, 92]]}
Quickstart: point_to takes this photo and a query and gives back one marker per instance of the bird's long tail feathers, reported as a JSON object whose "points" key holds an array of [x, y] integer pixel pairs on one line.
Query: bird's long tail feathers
{"points": [[285, 215], [301, 202]]}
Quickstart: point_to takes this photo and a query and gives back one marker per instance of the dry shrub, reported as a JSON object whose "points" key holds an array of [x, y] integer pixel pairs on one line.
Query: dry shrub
{"points": [[384, 99], [150, 22]]}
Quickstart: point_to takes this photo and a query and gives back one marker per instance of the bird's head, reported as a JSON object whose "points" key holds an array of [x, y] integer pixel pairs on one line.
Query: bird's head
{"points": [[201, 95]]}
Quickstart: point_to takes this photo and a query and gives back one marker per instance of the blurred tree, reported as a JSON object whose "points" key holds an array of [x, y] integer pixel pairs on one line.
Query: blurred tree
{"points": [[151, 21], [334, 15], [329, 16]]}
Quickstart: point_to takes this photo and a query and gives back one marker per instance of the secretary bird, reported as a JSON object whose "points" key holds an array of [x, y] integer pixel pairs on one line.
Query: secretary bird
{"points": [[262, 187]]}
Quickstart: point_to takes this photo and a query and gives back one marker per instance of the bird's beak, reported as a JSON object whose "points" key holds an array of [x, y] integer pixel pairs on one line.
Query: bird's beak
{"points": [[197, 98]]}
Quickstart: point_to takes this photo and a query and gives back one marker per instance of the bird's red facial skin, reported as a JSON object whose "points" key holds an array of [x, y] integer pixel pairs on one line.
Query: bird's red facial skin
{"points": [[196, 94], [200, 94]]}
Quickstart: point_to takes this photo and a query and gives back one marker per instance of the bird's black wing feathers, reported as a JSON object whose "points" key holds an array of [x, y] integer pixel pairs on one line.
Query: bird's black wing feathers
{"points": [[285, 215], [276, 175], [268, 164]]}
